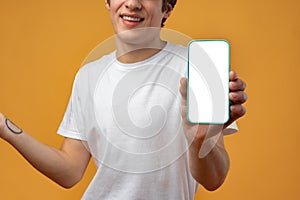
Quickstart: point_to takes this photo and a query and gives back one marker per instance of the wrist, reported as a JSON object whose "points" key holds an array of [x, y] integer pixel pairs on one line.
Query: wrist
{"points": [[8, 128], [207, 146], [12, 127], [195, 147]]}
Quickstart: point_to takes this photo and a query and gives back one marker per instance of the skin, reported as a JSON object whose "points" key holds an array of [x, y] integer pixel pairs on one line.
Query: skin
{"points": [[212, 170], [66, 165], [137, 41]]}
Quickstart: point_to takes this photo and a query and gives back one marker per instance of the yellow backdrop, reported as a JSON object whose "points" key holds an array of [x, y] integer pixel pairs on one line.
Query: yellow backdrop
{"points": [[43, 43]]}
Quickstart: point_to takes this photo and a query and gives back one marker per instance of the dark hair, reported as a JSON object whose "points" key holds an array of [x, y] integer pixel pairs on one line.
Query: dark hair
{"points": [[164, 7]]}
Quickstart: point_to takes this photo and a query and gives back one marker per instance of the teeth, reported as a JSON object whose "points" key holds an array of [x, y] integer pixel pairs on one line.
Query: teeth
{"points": [[135, 19]]}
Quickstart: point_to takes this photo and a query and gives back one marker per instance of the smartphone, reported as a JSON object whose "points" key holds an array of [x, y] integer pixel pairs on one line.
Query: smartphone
{"points": [[208, 81]]}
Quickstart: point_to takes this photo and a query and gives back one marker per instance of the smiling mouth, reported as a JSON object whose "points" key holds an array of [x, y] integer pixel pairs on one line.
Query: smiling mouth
{"points": [[132, 19]]}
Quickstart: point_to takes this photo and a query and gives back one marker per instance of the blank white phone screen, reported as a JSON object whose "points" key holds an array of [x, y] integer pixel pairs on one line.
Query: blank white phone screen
{"points": [[208, 81]]}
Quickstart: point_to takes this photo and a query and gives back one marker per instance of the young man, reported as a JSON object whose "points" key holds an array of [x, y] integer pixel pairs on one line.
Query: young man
{"points": [[127, 113]]}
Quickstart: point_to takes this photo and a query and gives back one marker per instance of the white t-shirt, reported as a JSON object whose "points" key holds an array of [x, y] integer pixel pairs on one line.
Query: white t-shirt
{"points": [[129, 118]]}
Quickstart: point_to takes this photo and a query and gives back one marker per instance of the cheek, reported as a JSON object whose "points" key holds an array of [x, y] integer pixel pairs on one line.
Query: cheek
{"points": [[116, 4], [157, 17]]}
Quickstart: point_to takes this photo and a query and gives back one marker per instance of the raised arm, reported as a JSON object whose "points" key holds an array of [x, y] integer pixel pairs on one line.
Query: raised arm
{"points": [[64, 166], [211, 170]]}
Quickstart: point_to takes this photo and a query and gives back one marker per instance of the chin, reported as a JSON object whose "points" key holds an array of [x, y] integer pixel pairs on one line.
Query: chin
{"points": [[139, 36]]}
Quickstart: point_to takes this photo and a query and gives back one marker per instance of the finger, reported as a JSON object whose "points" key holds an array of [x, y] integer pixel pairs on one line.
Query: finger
{"points": [[237, 111], [238, 97], [183, 112], [182, 88], [233, 76], [237, 85], [2, 119]]}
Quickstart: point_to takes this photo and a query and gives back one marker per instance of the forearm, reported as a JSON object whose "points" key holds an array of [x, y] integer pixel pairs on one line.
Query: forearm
{"points": [[211, 170], [54, 163]]}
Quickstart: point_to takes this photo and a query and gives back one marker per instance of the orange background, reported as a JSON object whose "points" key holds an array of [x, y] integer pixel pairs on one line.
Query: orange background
{"points": [[43, 43]]}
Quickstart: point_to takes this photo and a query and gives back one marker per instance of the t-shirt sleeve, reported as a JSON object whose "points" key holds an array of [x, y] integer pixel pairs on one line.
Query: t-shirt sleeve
{"points": [[69, 125], [232, 128]]}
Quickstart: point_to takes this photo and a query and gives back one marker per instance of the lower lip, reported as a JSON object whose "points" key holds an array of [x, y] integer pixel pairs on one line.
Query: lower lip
{"points": [[130, 23]]}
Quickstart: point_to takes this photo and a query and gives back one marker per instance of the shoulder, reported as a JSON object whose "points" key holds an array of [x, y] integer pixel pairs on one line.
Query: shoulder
{"points": [[88, 75], [97, 65]]}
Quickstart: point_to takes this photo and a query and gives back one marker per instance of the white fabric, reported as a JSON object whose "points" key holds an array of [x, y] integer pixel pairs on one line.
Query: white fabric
{"points": [[129, 117]]}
